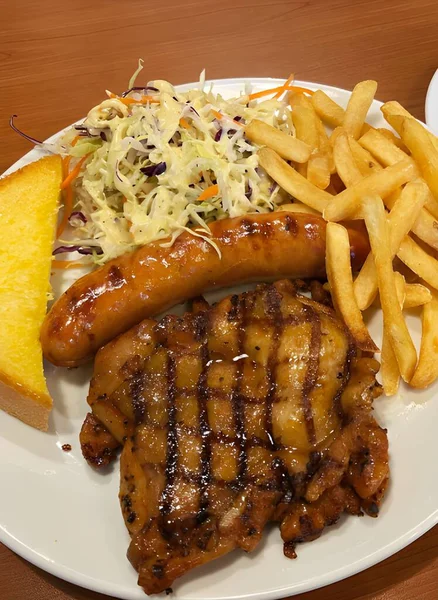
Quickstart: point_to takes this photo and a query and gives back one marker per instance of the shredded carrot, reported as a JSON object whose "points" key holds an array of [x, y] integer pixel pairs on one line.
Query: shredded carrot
{"points": [[280, 89], [75, 140], [300, 90], [220, 116], [265, 93], [287, 83], [209, 192], [67, 264], [184, 123], [73, 173], [217, 114], [128, 101]]}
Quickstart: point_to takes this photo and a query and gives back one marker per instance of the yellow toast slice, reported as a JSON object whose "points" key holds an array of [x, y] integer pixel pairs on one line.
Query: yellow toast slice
{"points": [[28, 210]]}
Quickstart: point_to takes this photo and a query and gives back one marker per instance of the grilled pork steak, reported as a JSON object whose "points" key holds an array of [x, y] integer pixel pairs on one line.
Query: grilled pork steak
{"points": [[258, 408]]}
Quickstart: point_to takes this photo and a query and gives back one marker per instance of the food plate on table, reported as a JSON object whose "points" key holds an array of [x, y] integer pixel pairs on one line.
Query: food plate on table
{"points": [[432, 103], [65, 518]]}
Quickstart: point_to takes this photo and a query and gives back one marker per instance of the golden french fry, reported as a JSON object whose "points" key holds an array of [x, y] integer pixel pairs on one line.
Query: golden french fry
{"points": [[340, 279], [378, 232], [291, 181], [426, 228], [305, 126], [344, 161], [327, 109], [416, 295], [417, 139], [381, 183], [365, 162], [324, 144], [299, 99], [358, 107], [389, 154], [382, 147], [285, 145], [403, 214], [419, 261], [389, 370], [298, 207], [338, 267], [392, 110], [318, 170], [427, 368], [392, 138]]}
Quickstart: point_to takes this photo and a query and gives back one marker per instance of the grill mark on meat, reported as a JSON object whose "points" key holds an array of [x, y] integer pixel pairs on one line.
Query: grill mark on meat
{"points": [[237, 401], [337, 404], [204, 427], [311, 375], [172, 441], [272, 298], [136, 387]]}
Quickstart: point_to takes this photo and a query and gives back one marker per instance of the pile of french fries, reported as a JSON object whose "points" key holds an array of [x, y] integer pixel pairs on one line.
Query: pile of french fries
{"points": [[391, 182]]}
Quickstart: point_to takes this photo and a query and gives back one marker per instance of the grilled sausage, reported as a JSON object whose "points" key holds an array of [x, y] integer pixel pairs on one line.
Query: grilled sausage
{"points": [[132, 287]]}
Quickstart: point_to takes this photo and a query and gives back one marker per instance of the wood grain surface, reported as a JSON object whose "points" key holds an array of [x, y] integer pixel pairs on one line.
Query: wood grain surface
{"points": [[57, 58]]}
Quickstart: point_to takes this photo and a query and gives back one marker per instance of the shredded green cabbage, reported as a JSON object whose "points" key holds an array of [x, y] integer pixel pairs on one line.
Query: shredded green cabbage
{"points": [[182, 138]]}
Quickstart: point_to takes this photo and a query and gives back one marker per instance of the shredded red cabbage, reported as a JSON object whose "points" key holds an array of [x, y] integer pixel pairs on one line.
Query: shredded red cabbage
{"points": [[154, 170], [218, 135], [77, 218], [27, 137], [80, 249], [144, 88]]}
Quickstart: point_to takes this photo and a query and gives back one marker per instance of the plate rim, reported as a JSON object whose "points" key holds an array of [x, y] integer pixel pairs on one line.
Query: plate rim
{"points": [[85, 581], [432, 101]]}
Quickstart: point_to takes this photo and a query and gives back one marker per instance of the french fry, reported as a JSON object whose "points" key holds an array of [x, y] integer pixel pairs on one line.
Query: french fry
{"points": [[344, 161], [382, 147], [381, 183], [378, 232], [298, 207], [395, 109], [305, 121], [419, 261], [389, 154], [298, 99], [324, 144], [417, 139], [291, 181], [327, 109], [322, 161], [358, 107], [364, 160], [285, 145], [427, 368], [392, 138], [403, 214], [389, 370], [416, 295], [338, 267], [305, 126], [318, 169]]}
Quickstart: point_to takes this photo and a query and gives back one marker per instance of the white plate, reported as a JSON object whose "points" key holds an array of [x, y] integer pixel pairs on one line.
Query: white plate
{"points": [[59, 514], [432, 104]]}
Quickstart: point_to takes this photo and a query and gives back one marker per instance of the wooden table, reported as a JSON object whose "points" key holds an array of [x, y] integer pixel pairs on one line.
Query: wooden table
{"points": [[57, 58]]}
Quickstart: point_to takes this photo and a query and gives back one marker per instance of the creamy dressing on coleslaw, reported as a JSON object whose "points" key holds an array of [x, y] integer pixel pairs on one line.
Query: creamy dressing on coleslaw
{"points": [[160, 161]]}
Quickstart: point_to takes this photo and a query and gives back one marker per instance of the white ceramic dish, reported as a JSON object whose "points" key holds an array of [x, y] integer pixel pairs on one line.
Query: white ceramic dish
{"points": [[432, 104], [62, 516]]}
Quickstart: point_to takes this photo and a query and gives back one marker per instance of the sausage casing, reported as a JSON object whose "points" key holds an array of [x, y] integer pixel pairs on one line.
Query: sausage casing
{"points": [[143, 283]]}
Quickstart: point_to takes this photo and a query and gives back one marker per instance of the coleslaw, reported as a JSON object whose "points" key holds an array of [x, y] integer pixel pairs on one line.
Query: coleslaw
{"points": [[154, 162]]}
